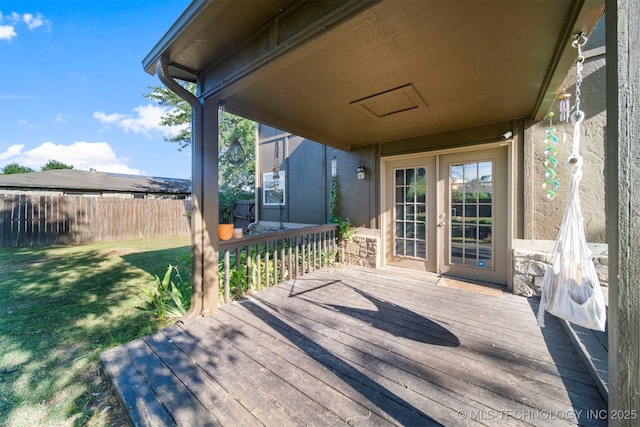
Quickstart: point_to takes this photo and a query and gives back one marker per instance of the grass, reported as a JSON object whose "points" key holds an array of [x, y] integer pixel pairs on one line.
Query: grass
{"points": [[59, 308]]}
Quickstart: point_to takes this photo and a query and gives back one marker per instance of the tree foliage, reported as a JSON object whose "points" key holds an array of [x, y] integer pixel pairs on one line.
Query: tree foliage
{"points": [[55, 164], [15, 168], [235, 180], [179, 114]]}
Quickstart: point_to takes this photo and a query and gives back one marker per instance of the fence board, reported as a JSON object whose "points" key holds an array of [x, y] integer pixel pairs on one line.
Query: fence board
{"points": [[38, 220]]}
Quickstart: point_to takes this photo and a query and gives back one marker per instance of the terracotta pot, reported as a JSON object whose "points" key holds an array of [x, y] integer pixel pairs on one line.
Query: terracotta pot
{"points": [[225, 231]]}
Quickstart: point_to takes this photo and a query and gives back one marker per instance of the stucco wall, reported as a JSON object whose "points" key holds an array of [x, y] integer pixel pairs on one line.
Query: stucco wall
{"points": [[547, 215], [304, 166], [307, 167], [355, 197]]}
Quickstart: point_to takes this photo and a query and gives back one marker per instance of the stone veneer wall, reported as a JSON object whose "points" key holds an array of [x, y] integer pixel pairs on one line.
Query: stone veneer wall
{"points": [[530, 260], [547, 215], [364, 250]]}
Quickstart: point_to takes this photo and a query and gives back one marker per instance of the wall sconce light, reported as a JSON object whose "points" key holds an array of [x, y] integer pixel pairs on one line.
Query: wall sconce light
{"points": [[360, 172]]}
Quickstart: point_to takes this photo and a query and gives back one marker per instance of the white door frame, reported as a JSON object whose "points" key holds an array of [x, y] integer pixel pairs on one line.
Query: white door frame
{"points": [[511, 194]]}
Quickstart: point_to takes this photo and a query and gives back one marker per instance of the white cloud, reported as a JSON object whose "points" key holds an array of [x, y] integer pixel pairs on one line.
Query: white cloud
{"points": [[7, 32], [61, 118], [145, 120], [81, 155], [33, 21], [12, 151], [108, 118], [23, 122]]}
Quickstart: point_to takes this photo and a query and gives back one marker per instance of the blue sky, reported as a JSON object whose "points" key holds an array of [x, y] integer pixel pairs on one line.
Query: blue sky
{"points": [[72, 85]]}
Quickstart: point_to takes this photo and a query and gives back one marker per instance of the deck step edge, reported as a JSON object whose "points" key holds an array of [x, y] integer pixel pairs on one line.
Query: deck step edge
{"points": [[593, 354], [138, 403]]}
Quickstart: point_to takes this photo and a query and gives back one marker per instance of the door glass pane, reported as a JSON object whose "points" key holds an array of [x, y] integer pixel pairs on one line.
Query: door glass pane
{"points": [[410, 230], [410, 212], [484, 211], [410, 216], [421, 249], [471, 210], [471, 207], [399, 212], [470, 256], [410, 248]]}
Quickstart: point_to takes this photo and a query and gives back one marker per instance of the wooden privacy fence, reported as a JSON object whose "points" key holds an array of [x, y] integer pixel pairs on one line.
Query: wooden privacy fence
{"points": [[38, 220]]}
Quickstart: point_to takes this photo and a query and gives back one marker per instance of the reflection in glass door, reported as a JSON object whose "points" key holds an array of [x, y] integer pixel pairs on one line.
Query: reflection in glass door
{"points": [[410, 213], [471, 232]]}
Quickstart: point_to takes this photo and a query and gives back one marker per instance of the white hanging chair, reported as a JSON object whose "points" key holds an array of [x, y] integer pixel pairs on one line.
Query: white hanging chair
{"points": [[570, 287]]}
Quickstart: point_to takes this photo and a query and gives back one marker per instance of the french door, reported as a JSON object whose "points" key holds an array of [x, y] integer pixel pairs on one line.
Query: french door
{"points": [[447, 213]]}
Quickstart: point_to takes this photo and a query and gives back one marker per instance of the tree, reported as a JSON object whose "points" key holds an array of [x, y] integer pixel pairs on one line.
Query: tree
{"points": [[235, 180], [15, 168], [179, 114], [54, 164]]}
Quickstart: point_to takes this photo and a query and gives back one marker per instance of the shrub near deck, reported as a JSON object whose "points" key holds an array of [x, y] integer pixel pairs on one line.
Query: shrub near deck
{"points": [[60, 307]]}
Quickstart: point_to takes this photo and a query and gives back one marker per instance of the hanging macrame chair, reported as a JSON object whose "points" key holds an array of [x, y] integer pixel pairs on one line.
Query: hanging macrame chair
{"points": [[570, 287]]}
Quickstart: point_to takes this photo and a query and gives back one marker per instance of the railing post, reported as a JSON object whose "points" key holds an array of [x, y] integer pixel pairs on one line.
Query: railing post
{"points": [[323, 248], [315, 250], [249, 275], [309, 268], [303, 255], [238, 261], [297, 258], [227, 297], [258, 266], [275, 262], [266, 264], [288, 259]]}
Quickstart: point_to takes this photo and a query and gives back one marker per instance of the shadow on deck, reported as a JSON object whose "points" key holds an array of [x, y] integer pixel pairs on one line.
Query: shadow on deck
{"points": [[358, 347]]}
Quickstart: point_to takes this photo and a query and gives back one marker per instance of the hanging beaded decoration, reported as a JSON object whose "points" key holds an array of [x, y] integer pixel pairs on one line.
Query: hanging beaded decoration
{"points": [[550, 184], [276, 168]]}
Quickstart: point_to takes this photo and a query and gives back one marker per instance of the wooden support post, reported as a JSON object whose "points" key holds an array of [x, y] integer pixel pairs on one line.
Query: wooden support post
{"points": [[623, 207], [204, 195]]}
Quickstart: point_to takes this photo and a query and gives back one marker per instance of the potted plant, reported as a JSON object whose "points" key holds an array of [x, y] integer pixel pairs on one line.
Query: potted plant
{"points": [[225, 226]]}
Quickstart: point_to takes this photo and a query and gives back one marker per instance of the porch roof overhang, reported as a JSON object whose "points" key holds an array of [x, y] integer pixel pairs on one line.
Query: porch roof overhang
{"points": [[358, 72]]}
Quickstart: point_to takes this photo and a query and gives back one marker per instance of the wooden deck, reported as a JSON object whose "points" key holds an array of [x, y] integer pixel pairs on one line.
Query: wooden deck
{"points": [[355, 346]]}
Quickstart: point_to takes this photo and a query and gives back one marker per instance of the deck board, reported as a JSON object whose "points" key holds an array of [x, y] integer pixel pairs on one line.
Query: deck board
{"points": [[460, 364], [355, 346]]}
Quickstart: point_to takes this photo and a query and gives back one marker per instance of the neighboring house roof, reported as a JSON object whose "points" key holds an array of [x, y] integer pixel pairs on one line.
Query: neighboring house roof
{"points": [[69, 180]]}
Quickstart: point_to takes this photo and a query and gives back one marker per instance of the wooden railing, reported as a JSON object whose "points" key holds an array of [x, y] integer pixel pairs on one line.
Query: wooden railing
{"points": [[255, 262]]}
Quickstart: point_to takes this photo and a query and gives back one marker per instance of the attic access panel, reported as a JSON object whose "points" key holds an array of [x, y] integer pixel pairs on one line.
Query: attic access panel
{"points": [[394, 101]]}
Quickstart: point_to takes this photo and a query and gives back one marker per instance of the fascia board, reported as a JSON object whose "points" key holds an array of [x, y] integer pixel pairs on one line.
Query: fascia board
{"points": [[190, 14]]}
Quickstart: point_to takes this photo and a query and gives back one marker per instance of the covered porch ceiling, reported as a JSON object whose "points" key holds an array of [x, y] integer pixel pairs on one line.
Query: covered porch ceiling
{"points": [[360, 72]]}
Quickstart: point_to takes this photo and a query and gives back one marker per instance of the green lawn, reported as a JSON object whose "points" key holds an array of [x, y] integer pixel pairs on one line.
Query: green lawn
{"points": [[61, 306]]}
